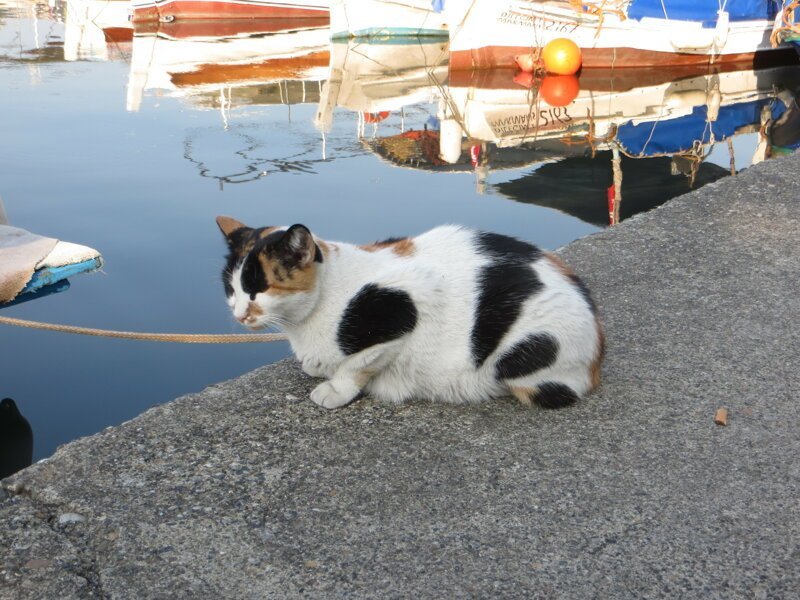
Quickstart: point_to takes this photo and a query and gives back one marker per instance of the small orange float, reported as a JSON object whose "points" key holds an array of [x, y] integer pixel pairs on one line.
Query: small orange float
{"points": [[525, 79], [525, 62]]}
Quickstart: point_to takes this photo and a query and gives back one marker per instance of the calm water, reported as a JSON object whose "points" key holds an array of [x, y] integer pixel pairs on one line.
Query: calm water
{"points": [[132, 145]]}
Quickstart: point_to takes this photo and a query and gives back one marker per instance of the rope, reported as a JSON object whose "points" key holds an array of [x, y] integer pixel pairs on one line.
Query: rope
{"points": [[787, 24], [181, 338]]}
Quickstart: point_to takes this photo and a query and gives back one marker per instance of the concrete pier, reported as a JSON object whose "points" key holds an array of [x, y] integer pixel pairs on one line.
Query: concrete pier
{"points": [[248, 490]]}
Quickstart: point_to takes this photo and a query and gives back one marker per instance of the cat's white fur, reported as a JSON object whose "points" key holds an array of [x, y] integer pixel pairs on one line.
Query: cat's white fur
{"points": [[434, 360]]}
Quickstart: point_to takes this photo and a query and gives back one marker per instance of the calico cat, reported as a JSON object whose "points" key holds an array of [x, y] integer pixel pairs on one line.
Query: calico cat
{"points": [[453, 314]]}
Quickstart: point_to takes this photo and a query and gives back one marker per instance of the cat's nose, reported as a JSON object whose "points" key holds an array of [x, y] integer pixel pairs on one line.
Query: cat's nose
{"points": [[242, 318]]}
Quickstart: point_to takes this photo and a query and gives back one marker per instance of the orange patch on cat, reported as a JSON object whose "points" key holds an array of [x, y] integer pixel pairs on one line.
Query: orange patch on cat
{"points": [[324, 247], [559, 264], [254, 310], [524, 395], [282, 282], [267, 231], [403, 247], [228, 225], [363, 377], [595, 367]]}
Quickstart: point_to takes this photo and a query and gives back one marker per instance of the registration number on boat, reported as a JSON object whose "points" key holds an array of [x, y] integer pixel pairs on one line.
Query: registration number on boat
{"points": [[548, 118], [511, 17]]}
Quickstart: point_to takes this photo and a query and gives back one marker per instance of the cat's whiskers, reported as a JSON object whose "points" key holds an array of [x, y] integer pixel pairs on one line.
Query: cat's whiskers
{"points": [[276, 321]]}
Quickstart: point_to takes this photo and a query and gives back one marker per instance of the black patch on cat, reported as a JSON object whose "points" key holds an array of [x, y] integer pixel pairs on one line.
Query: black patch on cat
{"points": [[254, 281], [375, 315], [274, 246], [272, 239], [390, 241], [237, 238], [578, 282], [503, 287], [237, 241], [230, 264], [555, 395], [535, 352], [506, 248]]}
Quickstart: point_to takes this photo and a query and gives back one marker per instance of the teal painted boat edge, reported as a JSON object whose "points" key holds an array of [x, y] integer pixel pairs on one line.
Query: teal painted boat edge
{"points": [[51, 275], [391, 35], [54, 288]]}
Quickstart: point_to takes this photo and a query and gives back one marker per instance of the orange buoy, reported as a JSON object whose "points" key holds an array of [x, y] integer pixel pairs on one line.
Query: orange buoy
{"points": [[561, 56], [559, 90]]}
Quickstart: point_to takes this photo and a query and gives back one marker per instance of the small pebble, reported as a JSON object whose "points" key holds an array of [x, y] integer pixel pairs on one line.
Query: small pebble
{"points": [[66, 518]]}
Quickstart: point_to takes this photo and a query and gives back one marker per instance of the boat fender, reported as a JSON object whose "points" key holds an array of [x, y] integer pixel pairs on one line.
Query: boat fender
{"points": [[712, 104], [685, 98], [722, 28], [450, 134]]}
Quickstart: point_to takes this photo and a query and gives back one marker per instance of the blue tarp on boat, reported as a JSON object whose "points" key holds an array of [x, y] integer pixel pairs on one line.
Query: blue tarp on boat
{"points": [[704, 10], [679, 135]]}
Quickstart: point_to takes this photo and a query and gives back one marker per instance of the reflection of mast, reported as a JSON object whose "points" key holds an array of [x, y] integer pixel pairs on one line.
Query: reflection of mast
{"points": [[615, 201], [141, 58], [3, 215], [730, 153]]}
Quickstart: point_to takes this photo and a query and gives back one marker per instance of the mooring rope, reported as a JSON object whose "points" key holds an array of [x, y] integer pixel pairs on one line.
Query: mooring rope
{"points": [[180, 338]]}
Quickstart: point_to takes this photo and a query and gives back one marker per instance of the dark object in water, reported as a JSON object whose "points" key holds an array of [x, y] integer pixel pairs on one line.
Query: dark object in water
{"points": [[646, 184], [16, 439]]}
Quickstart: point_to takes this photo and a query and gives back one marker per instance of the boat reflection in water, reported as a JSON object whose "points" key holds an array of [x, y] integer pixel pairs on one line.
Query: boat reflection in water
{"points": [[222, 63], [601, 146], [642, 136], [60, 30], [375, 79], [97, 30], [228, 64], [16, 439]]}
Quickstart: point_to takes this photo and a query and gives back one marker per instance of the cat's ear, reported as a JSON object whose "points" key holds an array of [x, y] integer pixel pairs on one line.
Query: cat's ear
{"points": [[227, 225], [300, 244]]}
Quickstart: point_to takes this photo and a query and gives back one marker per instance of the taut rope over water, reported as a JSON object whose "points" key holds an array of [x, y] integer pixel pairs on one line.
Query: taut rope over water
{"points": [[181, 338]]}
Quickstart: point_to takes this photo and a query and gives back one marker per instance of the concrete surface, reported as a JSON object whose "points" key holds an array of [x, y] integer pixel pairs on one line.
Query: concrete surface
{"points": [[248, 490]]}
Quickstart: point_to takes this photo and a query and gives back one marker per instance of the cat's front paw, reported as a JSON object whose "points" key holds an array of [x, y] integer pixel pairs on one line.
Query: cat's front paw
{"points": [[313, 368], [327, 396]]}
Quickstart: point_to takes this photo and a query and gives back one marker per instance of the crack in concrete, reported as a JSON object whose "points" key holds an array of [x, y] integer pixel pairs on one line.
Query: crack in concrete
{"points": [[86, 557]]}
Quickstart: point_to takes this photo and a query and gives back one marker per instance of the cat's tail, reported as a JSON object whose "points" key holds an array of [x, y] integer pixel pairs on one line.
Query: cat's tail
{"points": [[547, 394]]}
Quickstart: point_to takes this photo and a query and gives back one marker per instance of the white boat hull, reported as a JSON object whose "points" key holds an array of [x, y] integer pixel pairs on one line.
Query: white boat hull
{"points": [[379, 18], [493, 32]]}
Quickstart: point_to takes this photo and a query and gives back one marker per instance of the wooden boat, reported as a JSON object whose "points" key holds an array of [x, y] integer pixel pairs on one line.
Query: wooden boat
{"points": [[32, 266], [178, 10], [639, 33]]}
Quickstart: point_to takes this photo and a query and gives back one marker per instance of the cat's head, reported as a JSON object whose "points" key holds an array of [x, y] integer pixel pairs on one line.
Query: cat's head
{"points": [[271, 273]]}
